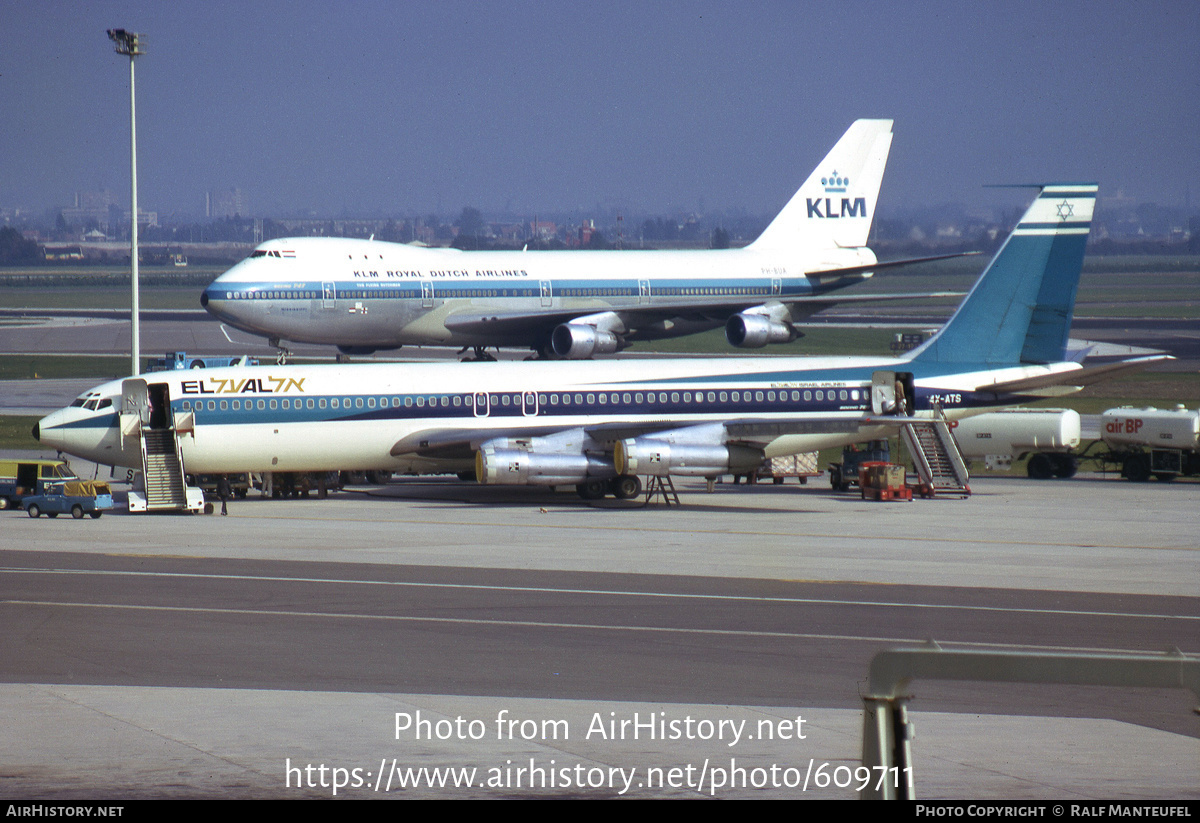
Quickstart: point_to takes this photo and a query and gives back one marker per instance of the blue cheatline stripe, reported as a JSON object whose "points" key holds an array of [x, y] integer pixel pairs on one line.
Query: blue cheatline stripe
{"points": [[705, 405], [547, 405], [441, 289], [1052, 193], [1062, 224]]}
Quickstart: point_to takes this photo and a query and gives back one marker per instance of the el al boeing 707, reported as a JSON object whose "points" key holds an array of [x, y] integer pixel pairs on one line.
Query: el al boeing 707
{"points": [[366, 295], [602, 425]]}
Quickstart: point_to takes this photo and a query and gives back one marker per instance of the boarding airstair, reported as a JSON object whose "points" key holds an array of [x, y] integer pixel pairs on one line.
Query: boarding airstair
{"points": [[162, 471], [939, 463], [151, 428]]}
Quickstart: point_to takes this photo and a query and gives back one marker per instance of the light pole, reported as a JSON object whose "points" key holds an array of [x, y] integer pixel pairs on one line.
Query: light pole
{"points": [[129, 43]]}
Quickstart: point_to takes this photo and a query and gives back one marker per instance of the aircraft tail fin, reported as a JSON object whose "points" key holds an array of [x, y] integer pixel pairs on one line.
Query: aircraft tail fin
{"points": [[835, 206], [1021, 307]]}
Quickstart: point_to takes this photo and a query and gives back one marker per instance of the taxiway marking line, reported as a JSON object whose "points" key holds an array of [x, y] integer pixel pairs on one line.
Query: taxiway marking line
{"points": [[791, 535], [530, 624], [608, 592]]}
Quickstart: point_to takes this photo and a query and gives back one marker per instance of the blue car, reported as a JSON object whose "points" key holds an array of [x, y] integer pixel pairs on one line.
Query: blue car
{"points": [[79, 497]]}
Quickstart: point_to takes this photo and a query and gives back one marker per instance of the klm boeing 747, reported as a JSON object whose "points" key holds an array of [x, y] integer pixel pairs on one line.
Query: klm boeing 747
{"points": [[603, 425], [363, 295]]}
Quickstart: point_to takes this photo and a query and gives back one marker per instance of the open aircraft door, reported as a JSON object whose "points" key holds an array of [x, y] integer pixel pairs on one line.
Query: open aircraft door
{"points": [[892, 392], [135, 412], [883, 392]]}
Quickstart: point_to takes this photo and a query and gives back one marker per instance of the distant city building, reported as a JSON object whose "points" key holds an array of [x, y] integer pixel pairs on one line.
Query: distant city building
{"points": [[92, 208], [146, 219], [509, 232], [586, 231], [219, 205], [542, 230]]}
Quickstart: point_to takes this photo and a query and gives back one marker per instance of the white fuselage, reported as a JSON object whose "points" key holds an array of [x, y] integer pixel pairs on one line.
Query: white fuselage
{"points": [[373, 294], [353, 417]]}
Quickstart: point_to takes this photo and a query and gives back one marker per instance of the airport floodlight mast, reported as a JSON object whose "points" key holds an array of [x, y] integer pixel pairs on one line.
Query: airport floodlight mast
{"points": [[128, 42]]}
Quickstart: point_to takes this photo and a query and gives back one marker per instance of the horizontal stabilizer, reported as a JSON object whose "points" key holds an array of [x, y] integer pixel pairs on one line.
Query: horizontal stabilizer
{"points": [[1075, 377], [829, 274]]}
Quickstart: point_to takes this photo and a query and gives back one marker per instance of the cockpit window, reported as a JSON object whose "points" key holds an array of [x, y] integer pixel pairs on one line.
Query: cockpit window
{"points": [[258, 253], [92, 401], [265, 253]]}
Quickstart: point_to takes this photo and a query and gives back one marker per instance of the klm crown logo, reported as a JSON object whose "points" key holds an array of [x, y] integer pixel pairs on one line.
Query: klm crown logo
{"points": [[826, 207], [834, 183]]}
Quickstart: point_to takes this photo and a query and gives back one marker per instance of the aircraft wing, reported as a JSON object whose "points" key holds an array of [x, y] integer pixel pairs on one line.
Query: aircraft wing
{"points": [[451, 443], [499, 324], [461, 443]]}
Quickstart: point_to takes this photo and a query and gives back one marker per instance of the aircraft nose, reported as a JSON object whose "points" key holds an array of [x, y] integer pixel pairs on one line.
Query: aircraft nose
{"points": [[204, 298], [49, 429]]}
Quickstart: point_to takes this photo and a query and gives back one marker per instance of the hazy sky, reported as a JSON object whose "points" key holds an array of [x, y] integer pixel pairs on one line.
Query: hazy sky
{"points": [[403, 108]]}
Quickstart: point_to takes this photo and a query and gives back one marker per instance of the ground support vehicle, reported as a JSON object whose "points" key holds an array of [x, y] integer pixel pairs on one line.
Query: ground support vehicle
{"points": [[179, 360], [777, 469], [298, 484], [845, 474], [193, 501], [1046, 436], [79, 497], [239, 484], [21, 478], [1149, 442], [878, 480]]}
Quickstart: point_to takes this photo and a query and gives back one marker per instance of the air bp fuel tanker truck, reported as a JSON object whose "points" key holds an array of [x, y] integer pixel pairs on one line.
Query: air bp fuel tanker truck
{"points": [[1164, 443]]}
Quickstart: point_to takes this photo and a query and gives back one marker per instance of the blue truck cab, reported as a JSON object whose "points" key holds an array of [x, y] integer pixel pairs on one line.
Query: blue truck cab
{"points": [[180, 360]]}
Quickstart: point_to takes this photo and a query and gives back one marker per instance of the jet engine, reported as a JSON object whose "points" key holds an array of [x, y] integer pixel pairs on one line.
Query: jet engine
{"points": [[652, 456], [598, 333], [753, 331], [508, 464], [574, 341]]}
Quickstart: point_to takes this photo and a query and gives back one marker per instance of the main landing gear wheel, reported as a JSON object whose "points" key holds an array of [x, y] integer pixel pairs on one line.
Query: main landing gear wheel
{"points": [[281, 353], [480, 355], [592, 489], [626, 487]]}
